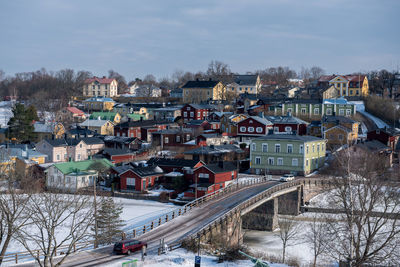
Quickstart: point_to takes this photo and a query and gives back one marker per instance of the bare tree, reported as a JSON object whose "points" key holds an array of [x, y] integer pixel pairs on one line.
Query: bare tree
{"points": [[367, 231], [13, 211], [219, 71], [316, 237], [122, 85], [316, 72], [57, 223], [2, 75], [288, 233]]}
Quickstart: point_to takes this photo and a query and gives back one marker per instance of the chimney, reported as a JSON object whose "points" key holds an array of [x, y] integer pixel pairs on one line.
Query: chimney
{"points": [[221, 164]]}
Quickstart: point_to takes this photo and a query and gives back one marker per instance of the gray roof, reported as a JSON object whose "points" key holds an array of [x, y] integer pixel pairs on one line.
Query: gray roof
{"points": [[246, 79], [214, 150], [261, 120], [304, 138], [285, 120], [221, 167], [340, 119], [175, 131], [93, 123], [202, 106], [373, 146]]}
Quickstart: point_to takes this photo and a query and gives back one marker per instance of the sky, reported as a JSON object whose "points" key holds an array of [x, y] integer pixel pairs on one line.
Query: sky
{"points": [[158, 37]]}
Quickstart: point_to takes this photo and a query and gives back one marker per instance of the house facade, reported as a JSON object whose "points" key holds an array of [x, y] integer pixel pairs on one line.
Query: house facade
{"points": [[102, 127], [250, 84], [196, 112], [99, 104], [288, 125], [96, 86], [137, 178], [46, 130], [279, 154], [347, 85], [202, 91], [254, 126]]}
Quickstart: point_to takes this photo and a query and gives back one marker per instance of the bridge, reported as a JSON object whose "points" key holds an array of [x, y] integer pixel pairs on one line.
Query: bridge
{"points": [[224, 212]]}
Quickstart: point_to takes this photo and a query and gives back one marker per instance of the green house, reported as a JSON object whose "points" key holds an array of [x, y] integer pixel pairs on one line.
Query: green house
{"points": [[281, 153], [109, 116]]}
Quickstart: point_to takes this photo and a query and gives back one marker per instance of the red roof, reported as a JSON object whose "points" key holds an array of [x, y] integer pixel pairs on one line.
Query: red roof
{"points": [[326, 78], [100, 80], [75, 110]]}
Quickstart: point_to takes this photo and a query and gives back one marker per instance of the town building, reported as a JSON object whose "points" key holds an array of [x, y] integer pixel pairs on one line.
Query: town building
{"points": [[288, 125], [114, 117], [280, 154], [202, 91], [247, 83], [196, 112], [254, 126], [96, 86], [102, 127], [71, 114], [98, 104], [72, 176], [167, 113], [136, 178], [346, 85], [48, 130]]}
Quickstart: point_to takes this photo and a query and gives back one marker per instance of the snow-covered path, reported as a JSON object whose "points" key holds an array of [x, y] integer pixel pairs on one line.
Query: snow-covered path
{"points": [[361, 108]]}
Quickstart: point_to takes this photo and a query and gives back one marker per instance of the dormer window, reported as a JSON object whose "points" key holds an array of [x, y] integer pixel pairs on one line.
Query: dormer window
{"points": [[250, 121]]}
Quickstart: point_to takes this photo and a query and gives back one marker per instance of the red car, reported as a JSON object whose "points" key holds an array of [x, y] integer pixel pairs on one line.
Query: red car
{"points": [[128, 246]]}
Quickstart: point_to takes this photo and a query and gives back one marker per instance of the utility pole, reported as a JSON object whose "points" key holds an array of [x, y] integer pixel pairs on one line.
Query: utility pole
{"points": [[95, 213]]}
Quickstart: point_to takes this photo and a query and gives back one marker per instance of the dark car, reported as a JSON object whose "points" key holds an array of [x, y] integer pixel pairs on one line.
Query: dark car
{"points": [[128, 246]]}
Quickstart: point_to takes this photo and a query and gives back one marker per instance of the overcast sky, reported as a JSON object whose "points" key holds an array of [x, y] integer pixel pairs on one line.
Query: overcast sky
{"points": [[135, 38]]}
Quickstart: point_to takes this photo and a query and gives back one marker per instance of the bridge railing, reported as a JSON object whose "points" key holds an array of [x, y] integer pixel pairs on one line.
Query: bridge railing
{"points": [[151, 225]]}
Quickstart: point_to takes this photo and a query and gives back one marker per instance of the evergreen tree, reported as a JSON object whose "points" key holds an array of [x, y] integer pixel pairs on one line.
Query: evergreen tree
{"points": [[109, 222], [20, 126]]}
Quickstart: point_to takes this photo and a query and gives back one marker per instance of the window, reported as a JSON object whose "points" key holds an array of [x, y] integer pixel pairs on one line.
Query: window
{"points": [[79, 156], [351, 92], [253, 147], [316, 111], [328, 111], [357, 92], [340, 136], [185, 114], [301, 149], [58, 157], [166, 140], [243, 129], [130, 183], [348, 112], [198, 114], [250, 121], [188, 108], [191, 114], [306, 162], [303, 111], [258, 160], [322, 147], [290, 149], [344, 92], [313, 148], [270, 161], [277, 148], [331, 136], [187, 137], [288, 129], [289, 110], [276, 129], [259, 129], [318, 148], [295, 162], [251, 129], [307, 150], [341, 112], [279, 161], [52, 179], [178, 138], [240, 88], [83, 179], [68, 180], [264, 147]]}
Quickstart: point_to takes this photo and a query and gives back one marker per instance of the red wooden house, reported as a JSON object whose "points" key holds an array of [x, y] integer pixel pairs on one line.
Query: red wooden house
{"points": [[210, 178], [136, 178], [134, 128], [184, 166], [388, 136], [288, 125], [254, 126], [196, 112]]}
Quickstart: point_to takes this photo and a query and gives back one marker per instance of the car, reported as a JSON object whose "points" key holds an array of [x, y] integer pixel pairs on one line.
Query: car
{"points": [[128, 246], [286, 178]]}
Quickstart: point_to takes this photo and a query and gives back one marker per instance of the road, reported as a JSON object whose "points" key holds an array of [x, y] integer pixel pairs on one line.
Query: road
{"points": [[173, 231]]}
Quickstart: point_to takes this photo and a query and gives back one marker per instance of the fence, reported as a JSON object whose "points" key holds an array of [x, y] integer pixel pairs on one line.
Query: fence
{"points": [[138, 231]]}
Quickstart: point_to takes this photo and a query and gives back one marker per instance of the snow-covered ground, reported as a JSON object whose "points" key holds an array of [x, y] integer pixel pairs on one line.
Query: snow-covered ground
{"points": [[5, 113], [361, 108], [135, 213], [183, 258]]}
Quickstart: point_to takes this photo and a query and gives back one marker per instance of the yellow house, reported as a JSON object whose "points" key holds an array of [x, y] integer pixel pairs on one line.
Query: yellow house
{"points": [[114, 117], [229, 123], [100, 87], [247, 83], [103, 127], [19, 156], [99, 104], [45, 130], [347, 85], [339, 130], [201, 91]]}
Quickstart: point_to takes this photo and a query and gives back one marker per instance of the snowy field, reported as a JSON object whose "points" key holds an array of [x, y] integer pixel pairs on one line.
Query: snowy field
{"points": [[135, 213], [183, 258]]}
